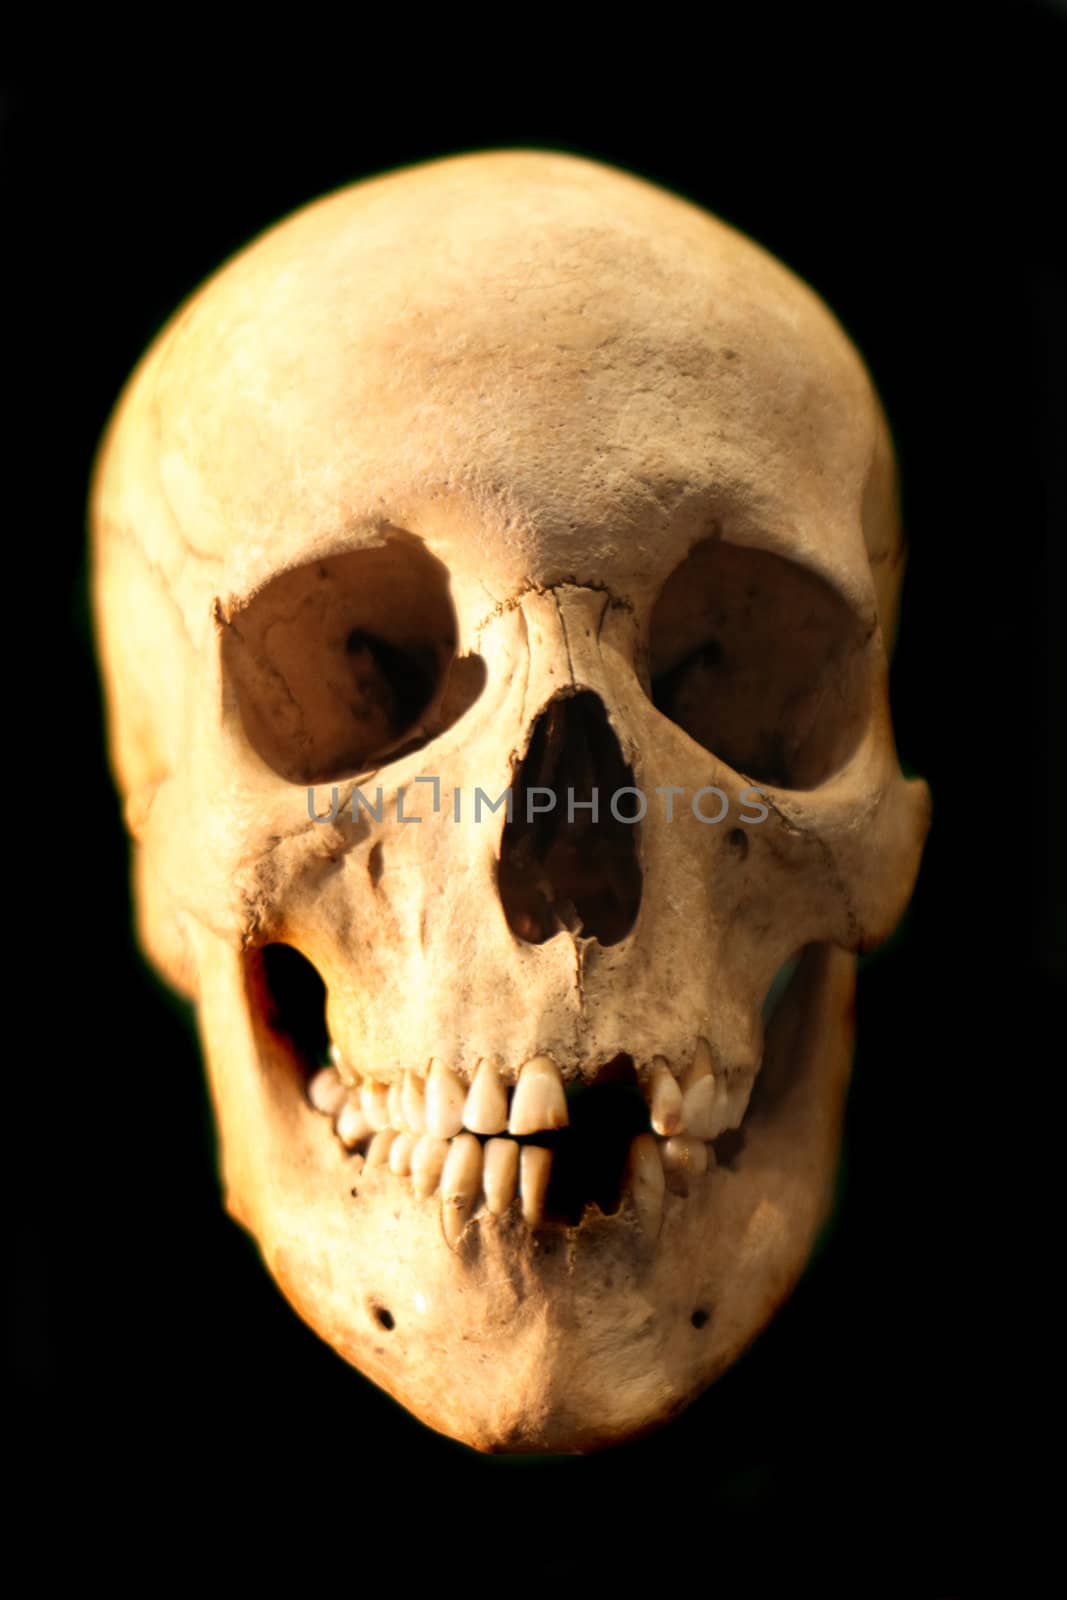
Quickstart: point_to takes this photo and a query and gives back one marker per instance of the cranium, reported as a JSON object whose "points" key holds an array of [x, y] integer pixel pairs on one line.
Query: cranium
{"points": [[514, 474]]}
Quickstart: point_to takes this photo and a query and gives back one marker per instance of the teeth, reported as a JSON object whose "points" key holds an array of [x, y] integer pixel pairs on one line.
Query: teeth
{"points": [[646, 1184], [683, 1159], [326, 1091], [665, 1099], [461, 1181], [444, 1102], [400, 1153], [413, 1102], [538, 1102], [702, 1065], [501, 1174], [380, 1145], [727, 1109], [699, 1098], [374, 1099], [535, 1169], [427, 1164], [352, 1126], [426, 1129], [486, 1107], [397, 1119]]}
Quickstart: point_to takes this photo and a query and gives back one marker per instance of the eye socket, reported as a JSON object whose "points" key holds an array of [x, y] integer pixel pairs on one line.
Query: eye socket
{"points": [[342, 664], [761, 662]]}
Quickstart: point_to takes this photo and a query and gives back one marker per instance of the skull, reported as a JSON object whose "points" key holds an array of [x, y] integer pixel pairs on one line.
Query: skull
{"points": [[495, 566]]}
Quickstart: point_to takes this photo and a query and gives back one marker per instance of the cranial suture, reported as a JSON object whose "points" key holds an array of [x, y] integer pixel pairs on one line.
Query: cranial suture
{"points": [[512, 471]]}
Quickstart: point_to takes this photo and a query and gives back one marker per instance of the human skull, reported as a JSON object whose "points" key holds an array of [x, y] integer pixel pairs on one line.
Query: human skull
{"points": [[512, 473]]}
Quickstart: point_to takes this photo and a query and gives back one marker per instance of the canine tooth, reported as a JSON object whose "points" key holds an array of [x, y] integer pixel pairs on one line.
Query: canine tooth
{"points": [[400, 1153], [326, 1091], [413, 1101], [444, 1102], [500, 1174], [461, 1181], [538, 1102], [535, 1169], [486, 1106], [427, 1164], [665, 1099], [380, 1146], [374, 1098], [645, 1182], [397, 1119], [352, 1125], [684, 1158]]}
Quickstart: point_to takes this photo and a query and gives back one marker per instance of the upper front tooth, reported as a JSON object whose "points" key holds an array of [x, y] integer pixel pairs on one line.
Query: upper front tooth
{"points": [[645, 1181], [460, 1182], [413, 1102], [326, 1091], [486, 1107], [698, 1100], [444, 1102], [535, 1169], [374, 1099], [538, 1102], [665, 1099], [702, 1064], [352, 1125], [719, 1111]]}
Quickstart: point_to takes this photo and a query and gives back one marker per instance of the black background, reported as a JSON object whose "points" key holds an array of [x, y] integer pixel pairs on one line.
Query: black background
{"points": [[909, 168]]}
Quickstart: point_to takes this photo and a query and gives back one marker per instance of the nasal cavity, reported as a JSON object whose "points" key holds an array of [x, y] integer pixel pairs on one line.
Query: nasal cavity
{"points": [[569, 855]]}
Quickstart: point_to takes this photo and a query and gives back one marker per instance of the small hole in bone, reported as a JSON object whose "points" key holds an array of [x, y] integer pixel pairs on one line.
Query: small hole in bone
{"points": [[384, 1318], [375, 864], [700, 1317], [737, 839]]}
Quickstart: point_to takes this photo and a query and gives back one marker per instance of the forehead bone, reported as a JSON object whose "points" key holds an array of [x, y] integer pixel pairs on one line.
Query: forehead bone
{"points": [[532, 357]]}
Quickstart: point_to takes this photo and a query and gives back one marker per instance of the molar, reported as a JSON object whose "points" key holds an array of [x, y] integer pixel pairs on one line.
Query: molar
{"points": [[326, 1091]]}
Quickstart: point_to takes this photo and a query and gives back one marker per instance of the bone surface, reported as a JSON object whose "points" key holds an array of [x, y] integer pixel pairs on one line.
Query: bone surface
{"points": [[511, 472]]}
